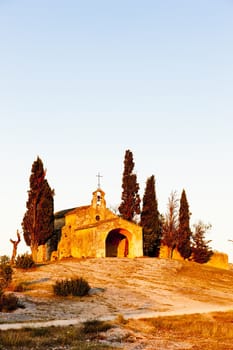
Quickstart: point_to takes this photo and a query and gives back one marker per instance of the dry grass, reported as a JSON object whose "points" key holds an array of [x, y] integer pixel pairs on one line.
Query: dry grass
{"points": [[53, 338], [212, 331]]}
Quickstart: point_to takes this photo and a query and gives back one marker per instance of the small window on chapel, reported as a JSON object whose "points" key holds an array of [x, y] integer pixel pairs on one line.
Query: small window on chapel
{"points": [[98, 198], [97, 217]]}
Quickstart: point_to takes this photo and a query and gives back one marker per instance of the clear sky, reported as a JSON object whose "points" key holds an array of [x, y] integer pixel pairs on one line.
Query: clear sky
{"points": [[82, 81]]}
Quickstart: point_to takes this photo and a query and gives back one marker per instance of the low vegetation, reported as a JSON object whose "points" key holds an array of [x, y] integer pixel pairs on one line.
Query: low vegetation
{"points": [[208, 331], [71, 338], [74, 286], [9, 302], [24, 261], [205, 331], [95, 327], [5, 272]]}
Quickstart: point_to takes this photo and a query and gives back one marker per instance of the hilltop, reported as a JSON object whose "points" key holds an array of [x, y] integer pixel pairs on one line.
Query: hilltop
{"points": [[134, 288]]}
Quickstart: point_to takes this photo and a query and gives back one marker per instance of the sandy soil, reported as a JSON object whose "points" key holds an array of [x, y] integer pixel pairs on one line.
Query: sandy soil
{"points": [[132, 288]]}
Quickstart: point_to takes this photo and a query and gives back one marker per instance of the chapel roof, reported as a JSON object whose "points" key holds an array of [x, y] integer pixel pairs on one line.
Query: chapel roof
{"points": [[60, 214], [76, 210]]}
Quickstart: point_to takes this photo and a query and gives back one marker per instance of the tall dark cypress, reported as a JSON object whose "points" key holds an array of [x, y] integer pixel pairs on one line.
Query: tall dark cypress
{"points": [[150, 221], [184, 232], [38, 221], [130, 205]]}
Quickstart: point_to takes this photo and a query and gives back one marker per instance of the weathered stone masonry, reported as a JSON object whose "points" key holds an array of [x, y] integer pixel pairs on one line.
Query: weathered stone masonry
{"points": [[94, 231]]}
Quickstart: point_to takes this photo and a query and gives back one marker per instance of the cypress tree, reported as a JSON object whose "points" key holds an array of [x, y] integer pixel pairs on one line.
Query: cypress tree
{"points": [[184, 232], [38, 221], [150, 222], [130, 205]]}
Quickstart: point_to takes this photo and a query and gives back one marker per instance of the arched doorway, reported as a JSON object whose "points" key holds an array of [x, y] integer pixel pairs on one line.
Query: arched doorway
{"points": [[116, 244]]}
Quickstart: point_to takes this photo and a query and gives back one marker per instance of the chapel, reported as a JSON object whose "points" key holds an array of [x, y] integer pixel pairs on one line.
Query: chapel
{"points": [[94, 231]]}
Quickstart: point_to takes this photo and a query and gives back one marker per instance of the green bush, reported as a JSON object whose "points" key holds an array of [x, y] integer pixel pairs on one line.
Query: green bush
{"points": [[74, 286], [5, 272], [24, 261]]}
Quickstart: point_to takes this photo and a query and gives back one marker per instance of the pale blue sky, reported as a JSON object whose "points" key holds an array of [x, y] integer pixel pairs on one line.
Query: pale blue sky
{"points": [[82, 81]]}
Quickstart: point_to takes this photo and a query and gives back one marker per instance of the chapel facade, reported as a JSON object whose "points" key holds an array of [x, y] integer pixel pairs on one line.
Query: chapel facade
{"points": [[94, 231]]}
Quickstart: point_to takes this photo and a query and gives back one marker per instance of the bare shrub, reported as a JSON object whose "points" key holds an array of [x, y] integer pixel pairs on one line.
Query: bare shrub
{"points": [[74, 286], [24, 261]]}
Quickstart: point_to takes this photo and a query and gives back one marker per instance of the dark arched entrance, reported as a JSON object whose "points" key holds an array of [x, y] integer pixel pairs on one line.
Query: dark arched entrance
{"points": [[116, 244]]}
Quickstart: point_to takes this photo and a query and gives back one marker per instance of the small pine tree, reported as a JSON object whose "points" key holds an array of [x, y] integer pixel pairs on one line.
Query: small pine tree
{"points": [[38, 221], [201, 252], [130, 205], [184, 232], [150, 222], [170, 224]]}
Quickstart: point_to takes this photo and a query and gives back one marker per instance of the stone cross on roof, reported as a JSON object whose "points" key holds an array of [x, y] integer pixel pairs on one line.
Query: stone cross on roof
{"points": [[99, 176]]}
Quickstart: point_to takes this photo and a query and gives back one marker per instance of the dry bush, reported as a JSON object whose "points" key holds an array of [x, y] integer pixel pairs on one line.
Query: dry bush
{"points": [[95, 326], [24, 261], [74, 286], [5, 272], [9, 302]]}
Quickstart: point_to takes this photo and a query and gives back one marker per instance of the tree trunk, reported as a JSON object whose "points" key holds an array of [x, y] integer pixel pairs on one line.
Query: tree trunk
{"points": [[34, 250], [15, 246], [14, 253]]}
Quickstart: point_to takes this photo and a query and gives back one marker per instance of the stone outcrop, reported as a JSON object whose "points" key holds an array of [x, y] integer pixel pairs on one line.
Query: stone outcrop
{"points": [[218, 259]]}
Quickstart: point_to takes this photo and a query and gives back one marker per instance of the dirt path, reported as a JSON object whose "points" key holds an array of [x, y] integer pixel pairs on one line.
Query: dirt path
{"points": [[69, 322]]}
